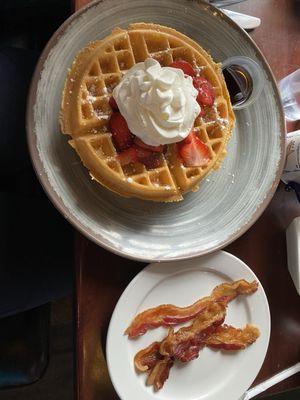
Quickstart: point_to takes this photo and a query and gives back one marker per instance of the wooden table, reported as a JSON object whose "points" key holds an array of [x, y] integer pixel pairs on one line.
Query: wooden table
{"points": [[102, 276]]}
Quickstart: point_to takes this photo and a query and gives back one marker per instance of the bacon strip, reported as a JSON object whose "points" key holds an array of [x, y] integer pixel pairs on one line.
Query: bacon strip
{"points": [[160, 373], [190, 339], [168, 314], [181, 341], [229, 338], [224, 337], [147, 358]]}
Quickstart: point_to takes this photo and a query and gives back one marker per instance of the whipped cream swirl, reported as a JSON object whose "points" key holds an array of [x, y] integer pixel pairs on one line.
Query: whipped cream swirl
{"points": [[158, 103]]}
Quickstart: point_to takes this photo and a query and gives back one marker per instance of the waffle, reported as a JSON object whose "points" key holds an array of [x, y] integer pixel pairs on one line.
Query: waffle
{"points": [[85, 111]]}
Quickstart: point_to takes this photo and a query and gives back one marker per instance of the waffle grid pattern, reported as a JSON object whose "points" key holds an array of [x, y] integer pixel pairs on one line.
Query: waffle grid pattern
{"points": [[111, 60], [103, 148]]}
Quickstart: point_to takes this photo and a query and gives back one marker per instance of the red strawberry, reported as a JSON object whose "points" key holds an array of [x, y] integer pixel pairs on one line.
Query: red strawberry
{"points": [[147, 157], [140, 143], [206, 94], [202, 112], [121, 136], [185, 66], [193, 151], [127, 156], [112, 102]]}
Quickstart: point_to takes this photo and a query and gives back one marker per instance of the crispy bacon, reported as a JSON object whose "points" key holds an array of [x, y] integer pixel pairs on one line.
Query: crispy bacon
{"points": [[187, 340], [223, 337], [147, 358], [184, 341], [185, 344], [168, 314], [160, 373], [229, 338]]}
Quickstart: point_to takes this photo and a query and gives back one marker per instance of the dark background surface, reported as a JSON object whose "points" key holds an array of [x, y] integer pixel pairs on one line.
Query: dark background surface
{"points": [[28, 221]]}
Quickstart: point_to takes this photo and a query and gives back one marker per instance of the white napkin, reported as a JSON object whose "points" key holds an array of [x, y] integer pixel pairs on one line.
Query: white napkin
{"points": [[243, 20]]}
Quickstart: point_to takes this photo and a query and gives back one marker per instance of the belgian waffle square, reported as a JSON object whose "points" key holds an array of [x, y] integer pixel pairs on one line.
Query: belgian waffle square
{"points": [[85, 111]]}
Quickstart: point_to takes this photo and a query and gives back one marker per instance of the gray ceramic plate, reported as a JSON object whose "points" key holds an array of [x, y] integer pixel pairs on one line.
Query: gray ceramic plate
{"points": [[228, 202]]}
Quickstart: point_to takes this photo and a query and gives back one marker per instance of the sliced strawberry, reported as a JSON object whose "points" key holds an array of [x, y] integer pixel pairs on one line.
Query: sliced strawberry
{"points": [[147, 157], [127, 156], [206, 94], [137, 154], [193, 151], [140, 143], [121, 135], [202, 112], [185, 66], [112, 102]]}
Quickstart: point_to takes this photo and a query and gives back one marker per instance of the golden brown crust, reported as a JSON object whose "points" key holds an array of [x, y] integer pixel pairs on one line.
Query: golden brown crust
{"points": [[85, 111]]}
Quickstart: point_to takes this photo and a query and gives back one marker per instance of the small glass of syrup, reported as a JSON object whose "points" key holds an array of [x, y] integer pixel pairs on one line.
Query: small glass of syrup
{"points": [[244, 80]]}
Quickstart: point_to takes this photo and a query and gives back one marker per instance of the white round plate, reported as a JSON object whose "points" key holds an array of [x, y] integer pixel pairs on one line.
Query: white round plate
{"points": [[214, 375]]}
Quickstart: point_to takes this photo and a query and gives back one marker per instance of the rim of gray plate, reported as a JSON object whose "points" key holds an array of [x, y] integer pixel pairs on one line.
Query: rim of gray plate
{"points": [[53, 196]]}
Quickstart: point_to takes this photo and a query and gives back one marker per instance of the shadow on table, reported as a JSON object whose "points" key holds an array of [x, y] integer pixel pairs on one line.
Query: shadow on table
{"points": [[293, 394], [297, 8]]}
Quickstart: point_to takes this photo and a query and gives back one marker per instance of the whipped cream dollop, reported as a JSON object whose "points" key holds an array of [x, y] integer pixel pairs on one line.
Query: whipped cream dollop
{"points": [[158, 103]]}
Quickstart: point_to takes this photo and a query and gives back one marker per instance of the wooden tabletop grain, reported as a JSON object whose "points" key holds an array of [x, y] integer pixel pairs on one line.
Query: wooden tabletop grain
{"points": [[102, 276]]}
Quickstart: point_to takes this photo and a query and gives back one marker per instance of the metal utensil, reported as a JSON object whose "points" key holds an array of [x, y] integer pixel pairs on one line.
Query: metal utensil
{"points": [[245, 21], [224, 3], [271, 381]]}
